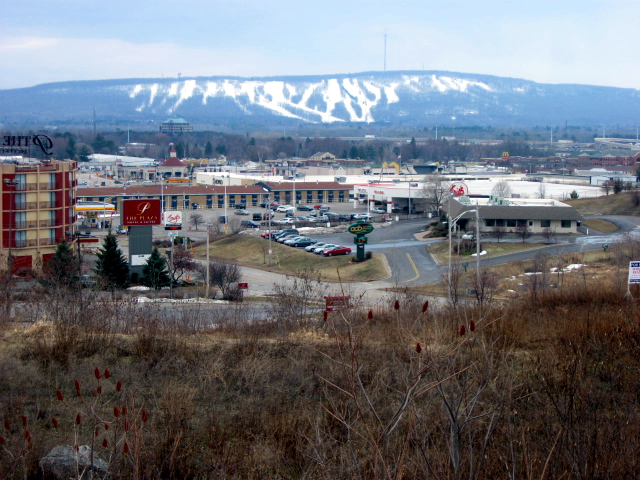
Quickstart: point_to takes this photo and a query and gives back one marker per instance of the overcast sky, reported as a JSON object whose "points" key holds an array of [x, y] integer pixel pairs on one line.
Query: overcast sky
{"points": [[549, 41]]}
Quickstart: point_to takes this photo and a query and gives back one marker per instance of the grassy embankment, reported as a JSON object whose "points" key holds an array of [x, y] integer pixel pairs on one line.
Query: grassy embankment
{"points": [[251, 251]]}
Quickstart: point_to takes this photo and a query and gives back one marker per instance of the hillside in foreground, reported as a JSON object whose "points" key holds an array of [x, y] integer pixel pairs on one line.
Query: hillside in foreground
{"points": [[541, 385]]}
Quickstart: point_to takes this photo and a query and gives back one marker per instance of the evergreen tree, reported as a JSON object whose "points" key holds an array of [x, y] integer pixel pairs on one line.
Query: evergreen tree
{"points": [[111, 265], [155, 274], [62, 270], [83, 154], [71, 147], [208, 150]]}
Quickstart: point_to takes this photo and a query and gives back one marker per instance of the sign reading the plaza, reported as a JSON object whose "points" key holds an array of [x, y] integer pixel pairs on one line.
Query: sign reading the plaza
{"points": [[21, 144], [360, 228], [141, 212]]}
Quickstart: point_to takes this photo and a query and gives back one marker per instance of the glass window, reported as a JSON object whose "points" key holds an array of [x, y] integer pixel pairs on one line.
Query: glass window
{"points": [[490, 222], [545, 223], [511, 223], [565, 223]]}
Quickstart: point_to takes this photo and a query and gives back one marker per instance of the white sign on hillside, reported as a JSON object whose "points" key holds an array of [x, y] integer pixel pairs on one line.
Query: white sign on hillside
{"points": [[634, 272]]}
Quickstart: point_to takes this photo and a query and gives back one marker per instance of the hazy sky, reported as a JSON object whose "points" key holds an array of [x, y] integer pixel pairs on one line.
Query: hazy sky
{"points": [[548, 41]]}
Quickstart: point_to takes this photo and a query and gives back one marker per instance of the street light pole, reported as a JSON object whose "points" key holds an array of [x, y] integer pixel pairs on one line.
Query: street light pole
{"points": [[226, 218], [451, 223], [268, 190]]}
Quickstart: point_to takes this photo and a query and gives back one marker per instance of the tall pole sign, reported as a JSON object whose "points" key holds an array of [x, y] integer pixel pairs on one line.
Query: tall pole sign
{"points": [[360, 229]]}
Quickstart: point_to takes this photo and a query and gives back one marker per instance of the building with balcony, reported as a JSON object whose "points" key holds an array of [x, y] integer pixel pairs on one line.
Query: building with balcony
{"points": [[37, 202], [175, 125]]}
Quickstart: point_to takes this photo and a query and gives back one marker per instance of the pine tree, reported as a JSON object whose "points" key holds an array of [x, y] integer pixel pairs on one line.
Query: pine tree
{"points": [[111, 265], [155, 273], [63, 268], [208, 150]]}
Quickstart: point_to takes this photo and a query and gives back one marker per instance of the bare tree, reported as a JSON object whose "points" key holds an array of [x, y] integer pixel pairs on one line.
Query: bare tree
{"points": [[225, 276], [296, 297], [436, 192], [550, 234], [182, 263], [498, 232], [196, 219], [501, 189], [542, 190], [606, 186], [523, 231]]}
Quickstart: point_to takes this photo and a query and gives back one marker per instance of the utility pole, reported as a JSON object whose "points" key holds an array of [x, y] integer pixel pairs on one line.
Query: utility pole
{"points": [[208, 268]]}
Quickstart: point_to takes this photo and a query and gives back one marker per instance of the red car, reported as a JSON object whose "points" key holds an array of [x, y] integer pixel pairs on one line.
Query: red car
{"points": [[321, 207], [266, 234], [340, 250]]}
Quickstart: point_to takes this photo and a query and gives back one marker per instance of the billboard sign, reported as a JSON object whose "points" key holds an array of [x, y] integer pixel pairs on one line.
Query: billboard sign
{"points": [[459, 189], [141, 212], [172, 217], [634, 272], [360, 228]]}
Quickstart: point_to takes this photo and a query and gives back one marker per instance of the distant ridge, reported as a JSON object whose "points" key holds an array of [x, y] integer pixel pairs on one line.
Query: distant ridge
{"points": [[412, 98]]}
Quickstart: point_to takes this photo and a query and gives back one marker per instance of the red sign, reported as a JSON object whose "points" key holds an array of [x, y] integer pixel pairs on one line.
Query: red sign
{"points": [[336, 303], [141, 212], [243, 286], [458, 189]]}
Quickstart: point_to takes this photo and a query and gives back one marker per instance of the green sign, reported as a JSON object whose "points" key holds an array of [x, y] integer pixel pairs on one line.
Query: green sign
{"points": [[360, 228]]}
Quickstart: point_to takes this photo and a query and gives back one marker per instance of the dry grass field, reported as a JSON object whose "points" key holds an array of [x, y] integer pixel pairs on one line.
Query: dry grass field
{"points": [[541, 383]]}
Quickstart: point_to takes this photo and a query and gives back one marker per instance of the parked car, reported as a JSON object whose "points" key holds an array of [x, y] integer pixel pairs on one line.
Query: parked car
{"points": [[271, 233], [195, 206], [283, 208], [339, 250], [311, 248], [321, 218], [468, 236], [301, 218], [241, 211], [302, 242], [249, 224], [267, 216], [320, 249], [256, 217], [222, 219], [284, 221], [240, 205], [283, 238], [361, 216], [287, 231], [305, 208], [321, 207], [378, 210], [291, 240]]}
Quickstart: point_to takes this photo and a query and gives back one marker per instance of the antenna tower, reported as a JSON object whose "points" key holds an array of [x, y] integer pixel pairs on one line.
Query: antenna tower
{"points": [[385, 51]]}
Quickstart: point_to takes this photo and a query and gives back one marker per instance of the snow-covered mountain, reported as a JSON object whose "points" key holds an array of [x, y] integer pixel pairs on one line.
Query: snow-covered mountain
{"points": [[398, 98]]}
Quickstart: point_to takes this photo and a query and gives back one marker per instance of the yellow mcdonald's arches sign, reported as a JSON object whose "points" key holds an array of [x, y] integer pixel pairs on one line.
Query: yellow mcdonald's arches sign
{"points": [[505, 154], [392, 164]]}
